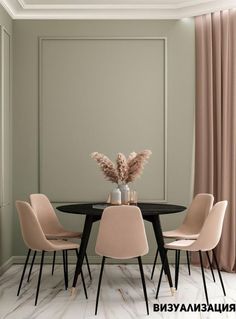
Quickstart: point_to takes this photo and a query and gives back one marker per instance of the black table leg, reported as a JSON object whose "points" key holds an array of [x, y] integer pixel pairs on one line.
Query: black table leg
{"points": [[83, 245], [160, 243]]}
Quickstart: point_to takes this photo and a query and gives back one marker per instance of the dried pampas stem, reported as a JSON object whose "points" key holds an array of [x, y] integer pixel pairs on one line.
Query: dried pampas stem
{"points": [[106, 166], [130, 157], [122, 167], [136, 165]]}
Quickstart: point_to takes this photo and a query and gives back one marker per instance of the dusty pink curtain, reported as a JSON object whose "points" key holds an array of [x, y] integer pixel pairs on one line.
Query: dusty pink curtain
{"points": [[215, 159]]}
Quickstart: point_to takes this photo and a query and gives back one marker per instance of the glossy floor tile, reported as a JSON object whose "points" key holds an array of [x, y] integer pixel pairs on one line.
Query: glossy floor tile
{"points": [[121, 294]]}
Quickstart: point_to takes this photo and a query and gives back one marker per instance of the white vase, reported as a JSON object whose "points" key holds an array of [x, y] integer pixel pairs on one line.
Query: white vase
{"points": [[116, 196], [125, 191]]}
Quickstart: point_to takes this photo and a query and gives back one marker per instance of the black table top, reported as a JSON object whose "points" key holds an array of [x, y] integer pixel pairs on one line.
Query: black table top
{"points": [[146, 208]]}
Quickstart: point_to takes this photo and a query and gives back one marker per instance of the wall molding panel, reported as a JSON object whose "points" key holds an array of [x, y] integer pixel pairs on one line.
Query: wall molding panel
{"points": [[5, 116], [6, 207], [48, 101]]}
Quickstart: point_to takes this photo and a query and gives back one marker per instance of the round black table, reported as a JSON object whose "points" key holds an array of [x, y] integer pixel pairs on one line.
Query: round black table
{"points": [[93, 212]]}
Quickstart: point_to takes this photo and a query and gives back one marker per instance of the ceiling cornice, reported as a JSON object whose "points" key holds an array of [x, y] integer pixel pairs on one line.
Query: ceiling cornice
{"points": [[21, 9]]}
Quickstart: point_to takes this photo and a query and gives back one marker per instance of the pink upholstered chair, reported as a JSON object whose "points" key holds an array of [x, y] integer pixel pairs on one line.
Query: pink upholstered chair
{"points": [[51, 226], [36, 240], [122, 235], [191, 226], [207, 240]]}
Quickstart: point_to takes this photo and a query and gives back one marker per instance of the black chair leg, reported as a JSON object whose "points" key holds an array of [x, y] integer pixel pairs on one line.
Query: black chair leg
{"points": [[83, 282], [161, 273], [176, 265], [143, 282], [218, 269], [177, 258], [87, 262], [203, 277], [188, 261], [23, 273], [209, 261], [154, 264], [64, 268], [39, 279], [99, 284], [53, 261], [31, 266], [67, 272]]}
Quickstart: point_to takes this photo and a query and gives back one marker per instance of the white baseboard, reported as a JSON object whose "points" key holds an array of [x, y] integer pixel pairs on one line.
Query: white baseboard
{"points": [[72, 260], [6, 265], [93, 259]]}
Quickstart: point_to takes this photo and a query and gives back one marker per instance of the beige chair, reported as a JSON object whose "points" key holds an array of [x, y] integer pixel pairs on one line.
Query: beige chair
{"points": [[51, 226], [36, 240], [191, 226], [122, 235], [207, 240]]}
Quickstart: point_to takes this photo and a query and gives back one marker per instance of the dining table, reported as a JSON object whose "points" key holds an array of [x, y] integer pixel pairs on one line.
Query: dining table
{"points": [[151, 212]]}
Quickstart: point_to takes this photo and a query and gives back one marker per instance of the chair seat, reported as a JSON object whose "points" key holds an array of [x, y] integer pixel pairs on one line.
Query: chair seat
{"points": [[64, 234], [63, 245], [180, 244], [179, 234]]}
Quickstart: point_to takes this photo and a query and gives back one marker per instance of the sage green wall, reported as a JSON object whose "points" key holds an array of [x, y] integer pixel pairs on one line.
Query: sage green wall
{"points": [[180, 111], [5, 140]]}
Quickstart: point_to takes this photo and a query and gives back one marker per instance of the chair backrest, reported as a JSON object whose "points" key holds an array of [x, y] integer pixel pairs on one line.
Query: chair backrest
{"points": [[122, 233], [31, 229], [198, 212], [45, 213], [211, 231]]}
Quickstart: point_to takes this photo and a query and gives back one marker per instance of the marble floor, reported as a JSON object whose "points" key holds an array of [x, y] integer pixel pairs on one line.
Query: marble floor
{"points": [[121, 294]]}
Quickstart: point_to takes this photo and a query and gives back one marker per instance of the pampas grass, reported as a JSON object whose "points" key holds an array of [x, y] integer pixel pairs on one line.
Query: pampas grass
{"points": [[126, 170], [136, 165], [122, 167], [107, 167]]}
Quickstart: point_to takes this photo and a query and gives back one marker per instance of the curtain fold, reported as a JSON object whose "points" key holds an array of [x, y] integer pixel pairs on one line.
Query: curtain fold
{"points": [[215, 150]]}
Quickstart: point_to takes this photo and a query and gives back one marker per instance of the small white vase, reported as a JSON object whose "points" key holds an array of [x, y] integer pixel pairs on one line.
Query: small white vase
{"points": [[116, 196], [125, 192]]}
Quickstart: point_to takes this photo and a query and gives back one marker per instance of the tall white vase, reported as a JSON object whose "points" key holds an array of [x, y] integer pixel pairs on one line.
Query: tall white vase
{"points": [[116, 196], [125, 192]]}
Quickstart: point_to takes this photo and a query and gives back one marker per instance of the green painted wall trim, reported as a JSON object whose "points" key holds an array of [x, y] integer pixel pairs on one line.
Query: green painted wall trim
{"points": [[6, 231]]}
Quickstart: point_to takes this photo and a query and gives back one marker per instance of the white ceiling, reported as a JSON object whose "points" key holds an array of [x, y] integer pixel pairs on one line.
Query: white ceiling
{"points": [[112, 9]]}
